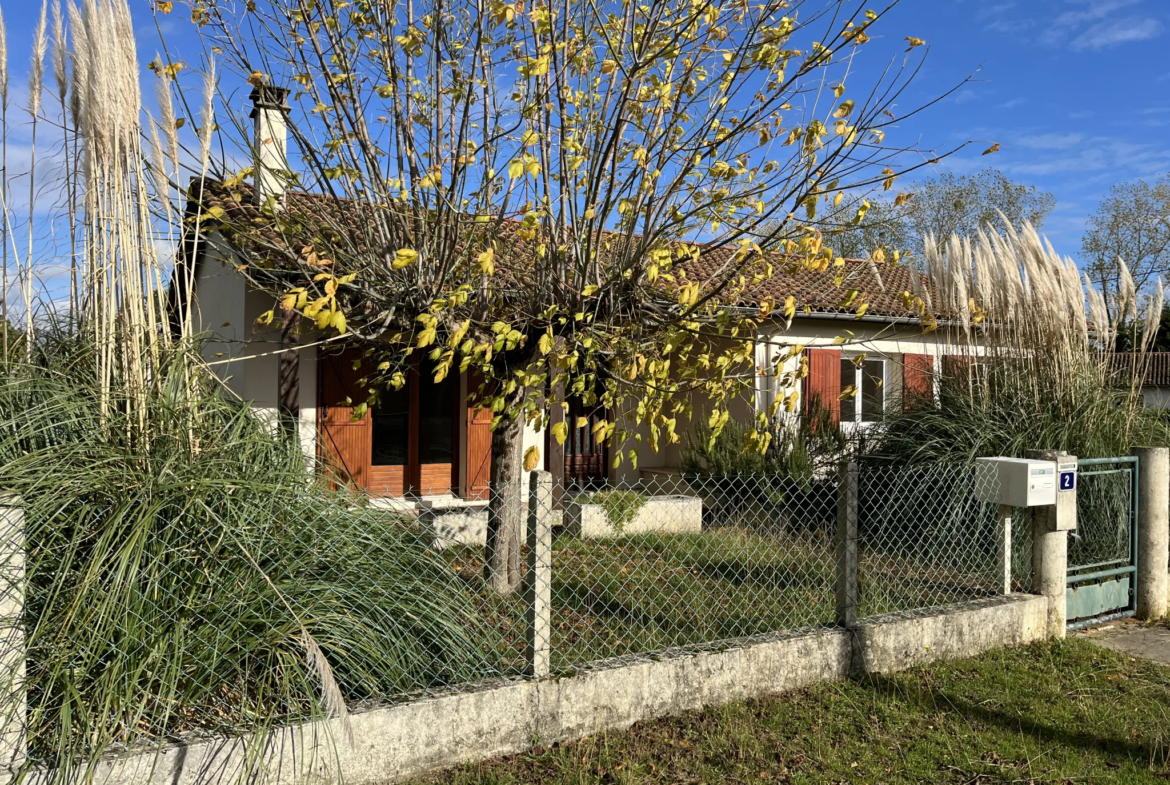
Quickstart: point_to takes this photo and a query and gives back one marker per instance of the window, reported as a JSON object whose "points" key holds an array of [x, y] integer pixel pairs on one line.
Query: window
{"points": [[863, 390]]}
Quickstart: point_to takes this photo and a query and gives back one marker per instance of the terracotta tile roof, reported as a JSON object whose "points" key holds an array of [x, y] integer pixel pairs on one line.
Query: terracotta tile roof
{"points": [[344, 225]]}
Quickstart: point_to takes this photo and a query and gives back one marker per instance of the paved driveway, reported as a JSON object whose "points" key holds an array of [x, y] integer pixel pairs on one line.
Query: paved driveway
{"points": [[1136, 640]]}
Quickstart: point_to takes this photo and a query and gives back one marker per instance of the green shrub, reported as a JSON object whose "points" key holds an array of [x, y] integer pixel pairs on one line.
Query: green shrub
{"points": [[1088, 414], [621, 507], [798, 450], [200, 581]]}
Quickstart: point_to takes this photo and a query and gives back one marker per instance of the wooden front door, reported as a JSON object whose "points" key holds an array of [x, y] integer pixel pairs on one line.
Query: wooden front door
{"points": [[343, 446], [405, 444], [479, 445]]}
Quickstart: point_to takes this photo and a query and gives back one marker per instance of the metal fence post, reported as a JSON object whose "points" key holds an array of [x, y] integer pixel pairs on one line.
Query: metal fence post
{"points": [[14, 709], [1153, 542], [538, 579], [847, 507], [1005, 547]]}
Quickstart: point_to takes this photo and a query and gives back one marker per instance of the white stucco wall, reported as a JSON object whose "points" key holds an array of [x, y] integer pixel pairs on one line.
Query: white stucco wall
{"points": [[876, 339], [1157, 397], [245, 356]]}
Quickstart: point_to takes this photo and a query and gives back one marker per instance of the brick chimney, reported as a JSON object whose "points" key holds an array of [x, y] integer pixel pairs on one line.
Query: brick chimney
{"points": [[270, 153]]}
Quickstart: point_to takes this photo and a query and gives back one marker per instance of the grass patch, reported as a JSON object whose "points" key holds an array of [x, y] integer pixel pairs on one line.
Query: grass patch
{"points": [[1064, 711], [643, 593]]}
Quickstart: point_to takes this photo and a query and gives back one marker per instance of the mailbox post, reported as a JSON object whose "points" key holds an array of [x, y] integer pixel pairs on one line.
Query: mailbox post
{"points": [[1045, 483]]}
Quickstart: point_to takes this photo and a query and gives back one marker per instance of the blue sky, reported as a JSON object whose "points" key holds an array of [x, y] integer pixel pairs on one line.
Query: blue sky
{"points": [[1077, 92]]}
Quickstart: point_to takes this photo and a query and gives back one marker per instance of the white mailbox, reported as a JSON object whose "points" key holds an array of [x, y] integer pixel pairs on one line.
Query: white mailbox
{"points": [[1017, 482]]}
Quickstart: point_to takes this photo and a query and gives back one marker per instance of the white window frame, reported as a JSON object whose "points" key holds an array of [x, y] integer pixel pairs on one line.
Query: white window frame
{"points": [[858, 378]]}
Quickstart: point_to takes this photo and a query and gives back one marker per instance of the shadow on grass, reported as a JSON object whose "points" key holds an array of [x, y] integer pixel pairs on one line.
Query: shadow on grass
{"points": [[932, 700]]}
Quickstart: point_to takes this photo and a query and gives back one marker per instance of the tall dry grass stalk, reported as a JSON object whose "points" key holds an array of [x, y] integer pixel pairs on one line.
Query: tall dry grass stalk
{"points": [[1016, 306], [36, 81], [126, 307], [4, 176]]}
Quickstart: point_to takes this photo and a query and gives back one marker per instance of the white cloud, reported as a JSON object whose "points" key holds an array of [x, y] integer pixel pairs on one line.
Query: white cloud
{"points": [[1012, 104], [1051, 141], [1116, 32]]}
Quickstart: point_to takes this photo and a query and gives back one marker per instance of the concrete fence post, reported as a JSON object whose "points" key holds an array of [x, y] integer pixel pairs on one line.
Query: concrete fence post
{"points": [[538, 580], [847, 514], [13, 708], [1050, 549], [1005, 548], [1153, 542]]}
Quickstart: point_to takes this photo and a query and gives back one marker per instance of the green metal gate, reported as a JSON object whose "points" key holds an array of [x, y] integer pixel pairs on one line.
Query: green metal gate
{"points": [[1102, 552]]}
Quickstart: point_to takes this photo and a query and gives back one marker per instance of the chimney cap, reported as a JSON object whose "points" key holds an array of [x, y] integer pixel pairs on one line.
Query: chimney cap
{"points": [[268, 96]]}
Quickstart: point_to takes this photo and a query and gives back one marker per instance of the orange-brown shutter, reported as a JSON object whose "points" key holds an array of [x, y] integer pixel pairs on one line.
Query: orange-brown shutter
{"points": [[822, 386], [479, 444], [917, 379], [956, 366], [343, 445]]}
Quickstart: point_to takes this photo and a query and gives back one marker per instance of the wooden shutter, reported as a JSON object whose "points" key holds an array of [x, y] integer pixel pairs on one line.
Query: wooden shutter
{"points": [[957, 366], [479, 444], [917, 380], [343, 445], [822, 386]]}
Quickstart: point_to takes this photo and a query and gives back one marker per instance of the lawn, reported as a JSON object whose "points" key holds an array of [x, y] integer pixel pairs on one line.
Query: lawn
{"points": [[1063, 711], [648, 592]]}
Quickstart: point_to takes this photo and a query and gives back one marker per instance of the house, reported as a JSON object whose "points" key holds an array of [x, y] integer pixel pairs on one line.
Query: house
{"points": [[425, 442], [1151, 370]]}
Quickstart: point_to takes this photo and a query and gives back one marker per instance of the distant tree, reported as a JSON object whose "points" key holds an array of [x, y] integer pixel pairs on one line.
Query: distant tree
{"points": [[884, 226], [942, 206], [1130, 224], [947, 204]]}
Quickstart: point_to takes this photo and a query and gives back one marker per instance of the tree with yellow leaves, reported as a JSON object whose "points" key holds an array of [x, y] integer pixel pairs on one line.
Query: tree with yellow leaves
{"points": [[564, 196]]}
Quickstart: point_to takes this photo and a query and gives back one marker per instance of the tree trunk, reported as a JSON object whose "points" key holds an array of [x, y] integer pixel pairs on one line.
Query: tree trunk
{"points": [[505, 513]]}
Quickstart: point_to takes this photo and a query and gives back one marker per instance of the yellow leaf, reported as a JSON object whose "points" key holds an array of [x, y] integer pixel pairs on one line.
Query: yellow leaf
{"points": [[531, 458], [844, 109], [582, 422], [546, 343], [338, 322], [515, 169], [840, 197], [790, 307], [993, 149], [560, 432], [901, 199], [608, 66], [839, 90], [487, 262], [404, 257], [257, 78], [913, 42]]}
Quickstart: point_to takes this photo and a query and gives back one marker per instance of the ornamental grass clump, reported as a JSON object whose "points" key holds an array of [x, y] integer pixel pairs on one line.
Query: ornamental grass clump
{"points": [[183, 587], [1029, 345]]}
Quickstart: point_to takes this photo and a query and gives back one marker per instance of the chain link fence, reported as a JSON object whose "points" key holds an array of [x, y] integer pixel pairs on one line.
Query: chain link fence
{"points": [[206, 626]]}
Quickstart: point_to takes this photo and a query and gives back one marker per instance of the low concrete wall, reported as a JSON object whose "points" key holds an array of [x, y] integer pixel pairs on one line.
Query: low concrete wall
{"points": [[898, 642], [658, 515], [456, 525], [415, 738]]}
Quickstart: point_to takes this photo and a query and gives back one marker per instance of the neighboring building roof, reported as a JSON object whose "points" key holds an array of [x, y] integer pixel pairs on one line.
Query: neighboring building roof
{"points": [[1153, 367], [345, 221]]}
